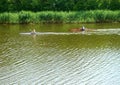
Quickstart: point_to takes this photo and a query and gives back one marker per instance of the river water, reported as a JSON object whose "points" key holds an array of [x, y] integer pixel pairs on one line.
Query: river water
{"points": [[59, 57]]}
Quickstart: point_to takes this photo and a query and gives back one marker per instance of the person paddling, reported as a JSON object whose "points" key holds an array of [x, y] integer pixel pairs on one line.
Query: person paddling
{"points": [[33, 31], [83, 28]]}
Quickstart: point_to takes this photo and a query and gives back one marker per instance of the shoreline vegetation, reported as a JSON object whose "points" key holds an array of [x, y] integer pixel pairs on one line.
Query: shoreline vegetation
{"points": [[93, 16]]}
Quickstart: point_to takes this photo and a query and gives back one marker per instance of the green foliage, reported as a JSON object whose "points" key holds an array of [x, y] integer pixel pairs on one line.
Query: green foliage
{"points": [[26, 17], [72, 17], [107, 16], [45, 17], [13, 18], [49, 17], [118, 16], [58, 17], [99, 16], [3, 5], [4, 18], [58, 5]]}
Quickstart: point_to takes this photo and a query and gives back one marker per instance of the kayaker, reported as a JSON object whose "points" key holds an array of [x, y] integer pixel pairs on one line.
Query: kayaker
{"points": [[33, 31], [83, 28]]}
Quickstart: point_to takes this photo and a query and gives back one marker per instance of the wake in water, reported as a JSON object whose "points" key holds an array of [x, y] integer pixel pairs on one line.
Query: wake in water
{"points": [[97, 32]]}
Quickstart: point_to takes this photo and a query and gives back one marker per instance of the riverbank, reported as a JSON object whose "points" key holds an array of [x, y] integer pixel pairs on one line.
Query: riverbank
{"points": [[26, 17]]}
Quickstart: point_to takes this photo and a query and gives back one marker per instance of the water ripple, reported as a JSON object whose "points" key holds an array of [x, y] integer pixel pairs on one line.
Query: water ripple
{"points": [[54, 63]]}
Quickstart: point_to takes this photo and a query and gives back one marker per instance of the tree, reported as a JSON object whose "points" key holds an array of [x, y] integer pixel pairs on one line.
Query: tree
{"points": [[3, 5], [14, 5], [115, 5], [91, 4], [58, 5]]}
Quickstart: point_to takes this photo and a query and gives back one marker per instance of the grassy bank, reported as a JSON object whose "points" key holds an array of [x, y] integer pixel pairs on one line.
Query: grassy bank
{"points": [[98, 16]]}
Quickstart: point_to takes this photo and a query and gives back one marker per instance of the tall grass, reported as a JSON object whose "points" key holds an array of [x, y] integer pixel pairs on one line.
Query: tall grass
{"points": [[107, 16], [4, 18], [49, 17], [13, 18], [26, 17]]}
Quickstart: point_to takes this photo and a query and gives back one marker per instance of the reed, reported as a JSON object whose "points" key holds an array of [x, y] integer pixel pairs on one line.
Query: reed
{"points": [[106, 16], [94, 16], [24, 17], [45, 17], [13, 18], [49, 17], [4, 18], [58, 17]]}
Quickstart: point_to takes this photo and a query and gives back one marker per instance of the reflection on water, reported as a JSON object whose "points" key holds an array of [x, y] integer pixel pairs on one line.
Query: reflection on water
{"points": [[75, 59]]}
